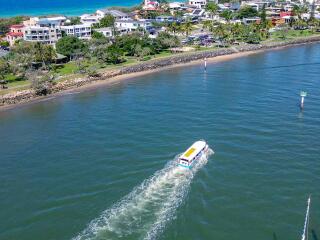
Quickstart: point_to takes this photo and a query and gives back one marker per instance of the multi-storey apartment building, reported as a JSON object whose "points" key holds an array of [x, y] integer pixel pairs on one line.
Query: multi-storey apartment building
{"points": [[82, 31], [45, 30]]}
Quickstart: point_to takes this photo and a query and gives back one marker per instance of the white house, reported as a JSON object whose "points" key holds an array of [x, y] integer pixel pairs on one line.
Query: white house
{"points": [[150, 5], [164, 18], [89, 18], [252, 5], [109, 32], [198, 3], [132, 25], [176, 5], [45, 22], [118, 15], [251, 20], [82, 31]]}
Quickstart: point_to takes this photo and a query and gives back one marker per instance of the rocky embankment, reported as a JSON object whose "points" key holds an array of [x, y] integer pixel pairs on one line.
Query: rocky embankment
{"points": [[27, 95]]}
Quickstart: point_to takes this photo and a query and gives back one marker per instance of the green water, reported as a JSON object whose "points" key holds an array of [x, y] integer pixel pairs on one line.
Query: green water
{"points": [[100, 164]]}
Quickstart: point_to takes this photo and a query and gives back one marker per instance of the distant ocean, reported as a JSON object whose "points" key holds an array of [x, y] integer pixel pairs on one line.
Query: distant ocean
{"points": [[9, 8]]}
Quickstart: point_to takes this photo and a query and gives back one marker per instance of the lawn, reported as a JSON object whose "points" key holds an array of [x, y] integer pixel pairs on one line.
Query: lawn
{"points": [[290, 34], [66, 69]]}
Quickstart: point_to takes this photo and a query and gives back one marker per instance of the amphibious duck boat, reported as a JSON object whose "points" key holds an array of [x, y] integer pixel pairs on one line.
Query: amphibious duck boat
{"points": [[193, 153]]}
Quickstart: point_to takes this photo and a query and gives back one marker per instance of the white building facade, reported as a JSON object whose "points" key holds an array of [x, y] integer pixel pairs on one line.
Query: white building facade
{"points": [[132, 25], [118, 15], [82, 31], [44, 30], [44, 35]]}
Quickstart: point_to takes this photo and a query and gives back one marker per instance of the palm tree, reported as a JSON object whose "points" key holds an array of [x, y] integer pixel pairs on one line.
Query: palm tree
{"points": [[221, 33], [207, 25], [298, 11], [187, 27], [173, 27], [227, 15], [44, 53], [237, 31], [212, 8]]}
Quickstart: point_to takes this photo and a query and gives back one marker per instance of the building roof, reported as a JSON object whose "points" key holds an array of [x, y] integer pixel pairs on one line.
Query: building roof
{"points": [[115, 13], [15, 34], [134, 21], [77, 26], [17, 26], [105, 29]]}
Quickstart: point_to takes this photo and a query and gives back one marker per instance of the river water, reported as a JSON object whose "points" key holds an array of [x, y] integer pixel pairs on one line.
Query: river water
{"points": [[101, 164]]}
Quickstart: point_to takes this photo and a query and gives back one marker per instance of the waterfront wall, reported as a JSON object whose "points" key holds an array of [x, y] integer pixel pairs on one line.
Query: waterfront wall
{"points": [[27, 95]]}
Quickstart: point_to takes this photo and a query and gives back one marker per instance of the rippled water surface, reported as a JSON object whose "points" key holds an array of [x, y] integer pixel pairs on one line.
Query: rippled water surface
{"points": [[9, 8], [98, 164]]}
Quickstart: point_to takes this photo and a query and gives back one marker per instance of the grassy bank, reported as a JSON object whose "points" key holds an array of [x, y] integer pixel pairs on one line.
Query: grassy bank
{"points": [[67, 71]]}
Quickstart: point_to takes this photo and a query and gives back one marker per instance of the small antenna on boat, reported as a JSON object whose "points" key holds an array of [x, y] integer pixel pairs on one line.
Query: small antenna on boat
{"points": [[306, 221]]}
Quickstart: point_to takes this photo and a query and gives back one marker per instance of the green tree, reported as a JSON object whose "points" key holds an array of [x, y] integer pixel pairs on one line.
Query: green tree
{"points": [[247, 12], [97, 35], [165, 40], [128, 42], [107, 21], [70, 45], [263, 16], [299, 10], [41, 83], [251, 34], [141, 52], [4, 68], [173, 27], [227, 15], [21, 57], [187, 27], [44, 53], [207, 25], [212, 8], [74, 21], [100, 54], [4, 43], [114, 54], [220, 31], [237, 31]]}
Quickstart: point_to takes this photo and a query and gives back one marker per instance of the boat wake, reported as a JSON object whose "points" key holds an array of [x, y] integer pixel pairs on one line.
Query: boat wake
{"points": [[144, 212]]}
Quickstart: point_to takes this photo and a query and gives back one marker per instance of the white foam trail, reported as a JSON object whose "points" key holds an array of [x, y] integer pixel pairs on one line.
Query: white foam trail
{"points": [[144, 212]]}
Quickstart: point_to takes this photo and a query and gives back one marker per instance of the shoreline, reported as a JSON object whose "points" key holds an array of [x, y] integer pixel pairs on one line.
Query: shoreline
{"points": [[112, 77]]}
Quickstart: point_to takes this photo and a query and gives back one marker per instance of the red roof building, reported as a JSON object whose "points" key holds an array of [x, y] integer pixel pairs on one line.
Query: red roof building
{"points": [[285, 14], [16, 33]]}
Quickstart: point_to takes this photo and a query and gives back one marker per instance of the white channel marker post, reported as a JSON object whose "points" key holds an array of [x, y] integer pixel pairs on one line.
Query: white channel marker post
{"points": [[205, 64], [302, 95]]}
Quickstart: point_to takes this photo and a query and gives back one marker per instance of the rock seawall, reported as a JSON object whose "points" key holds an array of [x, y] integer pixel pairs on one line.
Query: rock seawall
{"points": [[27, 95]]}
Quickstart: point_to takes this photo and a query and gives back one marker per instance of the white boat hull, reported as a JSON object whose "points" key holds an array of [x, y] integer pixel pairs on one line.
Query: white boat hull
{"points": [[197, 151]]}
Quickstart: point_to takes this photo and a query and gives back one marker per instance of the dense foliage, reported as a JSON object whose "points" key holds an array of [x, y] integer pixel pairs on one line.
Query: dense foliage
{"points": [[70, 46], [247, 12]]}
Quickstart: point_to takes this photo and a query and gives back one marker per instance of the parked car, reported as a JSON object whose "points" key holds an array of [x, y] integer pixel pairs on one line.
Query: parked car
{"points": [[4, 48], [300, 28]]}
